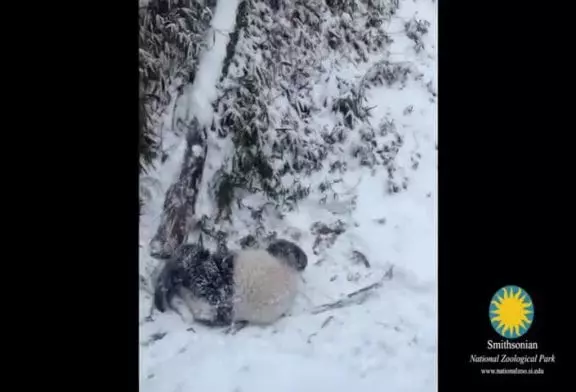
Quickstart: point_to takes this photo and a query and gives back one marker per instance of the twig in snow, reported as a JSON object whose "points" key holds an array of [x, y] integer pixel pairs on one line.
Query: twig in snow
{"points": [[154, 338], [366, 289], [390, 273], [355, 298], [359, 257], [309, 340], [324, 324]]}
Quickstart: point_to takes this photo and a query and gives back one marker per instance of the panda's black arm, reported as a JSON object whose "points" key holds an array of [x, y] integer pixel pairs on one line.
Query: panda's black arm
{"points": [[161, 290]]}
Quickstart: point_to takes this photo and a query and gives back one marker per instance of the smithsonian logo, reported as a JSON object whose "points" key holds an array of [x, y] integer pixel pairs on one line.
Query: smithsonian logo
{"points": [[511, 312]]}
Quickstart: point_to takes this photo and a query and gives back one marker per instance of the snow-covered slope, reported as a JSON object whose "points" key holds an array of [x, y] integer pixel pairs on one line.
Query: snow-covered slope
{"points": [[376, 223]]}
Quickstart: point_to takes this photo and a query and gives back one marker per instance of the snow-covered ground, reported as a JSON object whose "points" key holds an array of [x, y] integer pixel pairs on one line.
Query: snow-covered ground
{"points": [[387, 342]]}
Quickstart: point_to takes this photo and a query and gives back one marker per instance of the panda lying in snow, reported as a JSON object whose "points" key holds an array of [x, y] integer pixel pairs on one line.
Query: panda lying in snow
{"points": [[251, 286]]}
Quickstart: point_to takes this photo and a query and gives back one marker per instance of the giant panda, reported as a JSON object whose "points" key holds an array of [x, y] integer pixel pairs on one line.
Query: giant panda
{"points": [[251, 286]]}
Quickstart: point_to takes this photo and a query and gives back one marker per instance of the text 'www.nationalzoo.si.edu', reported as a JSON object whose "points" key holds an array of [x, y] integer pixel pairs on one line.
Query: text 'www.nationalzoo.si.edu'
{"points": [[513, 371]]}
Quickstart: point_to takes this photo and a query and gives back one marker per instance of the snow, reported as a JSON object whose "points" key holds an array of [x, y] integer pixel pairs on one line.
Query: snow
{"points": [[387, 342], [202, 92]]}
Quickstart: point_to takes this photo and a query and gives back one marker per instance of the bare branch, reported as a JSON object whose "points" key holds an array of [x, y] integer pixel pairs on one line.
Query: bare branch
{"points": [[355, 298]]}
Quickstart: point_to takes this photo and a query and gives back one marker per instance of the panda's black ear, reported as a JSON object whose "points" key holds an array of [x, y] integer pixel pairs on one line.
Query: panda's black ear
{"points": [[290, 252]]}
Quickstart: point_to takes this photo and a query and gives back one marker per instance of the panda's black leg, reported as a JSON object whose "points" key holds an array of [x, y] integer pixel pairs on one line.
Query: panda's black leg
{"points": [[236, 327]]}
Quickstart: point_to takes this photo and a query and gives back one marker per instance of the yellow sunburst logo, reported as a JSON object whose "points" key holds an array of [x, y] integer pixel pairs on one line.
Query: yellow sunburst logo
{"points": [[511, 312]]}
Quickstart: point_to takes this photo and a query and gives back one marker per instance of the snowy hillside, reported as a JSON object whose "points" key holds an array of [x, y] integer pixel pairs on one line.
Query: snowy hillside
{"points": [[311, 120]]}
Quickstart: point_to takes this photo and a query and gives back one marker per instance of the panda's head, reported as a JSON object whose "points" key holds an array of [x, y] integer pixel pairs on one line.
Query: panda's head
{"points": [[290, 253]]}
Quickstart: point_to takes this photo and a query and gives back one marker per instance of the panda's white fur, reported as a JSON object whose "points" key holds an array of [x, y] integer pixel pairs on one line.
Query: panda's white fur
{"points": [[264, 287]]}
